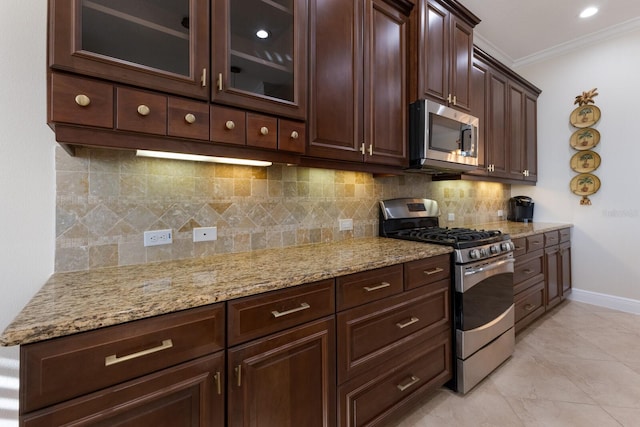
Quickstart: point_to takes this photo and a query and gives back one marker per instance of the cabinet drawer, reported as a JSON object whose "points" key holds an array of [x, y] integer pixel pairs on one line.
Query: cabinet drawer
{"points": [[521, 246], [140, 111], [262, 131], [524, 270], [81, 101], [67, 367], [228, 125], [565, 235], [382, 330], [360, 288], [259, 315], [383, 392], [535, 242], [291, 136], [529, 305], [551, 238], [188, 119], [422, 272]]}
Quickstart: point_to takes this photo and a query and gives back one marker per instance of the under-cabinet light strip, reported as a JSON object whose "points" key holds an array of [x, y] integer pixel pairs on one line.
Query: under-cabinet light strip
{"points": [[199, 158]]}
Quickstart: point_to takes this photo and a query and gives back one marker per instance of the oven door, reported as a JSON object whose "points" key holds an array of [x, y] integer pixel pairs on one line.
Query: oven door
{"points": [[483, 303]]}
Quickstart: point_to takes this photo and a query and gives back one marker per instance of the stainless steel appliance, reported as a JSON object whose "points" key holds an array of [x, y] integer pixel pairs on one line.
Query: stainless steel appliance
{"points": [[441, 139], [520, 209], [482, 270]]}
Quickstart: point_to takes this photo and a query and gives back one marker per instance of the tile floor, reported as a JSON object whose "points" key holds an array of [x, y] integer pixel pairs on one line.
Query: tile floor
{"points": [[577, 366]]}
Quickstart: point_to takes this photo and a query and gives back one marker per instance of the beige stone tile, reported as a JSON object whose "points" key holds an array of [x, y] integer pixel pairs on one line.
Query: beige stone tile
{"points": [[548, 413], [621, 345], [627, 417]]}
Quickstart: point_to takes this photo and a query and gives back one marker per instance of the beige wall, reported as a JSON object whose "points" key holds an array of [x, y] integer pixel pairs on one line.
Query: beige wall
{"points": [[106, 199]]}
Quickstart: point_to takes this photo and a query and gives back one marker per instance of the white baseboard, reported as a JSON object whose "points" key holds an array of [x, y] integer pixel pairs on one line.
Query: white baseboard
{"points": [[627, 305]]}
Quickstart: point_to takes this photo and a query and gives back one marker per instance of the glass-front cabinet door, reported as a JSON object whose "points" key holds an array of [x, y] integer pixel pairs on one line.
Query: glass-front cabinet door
{"points": [[156, 44], [259, 59]]}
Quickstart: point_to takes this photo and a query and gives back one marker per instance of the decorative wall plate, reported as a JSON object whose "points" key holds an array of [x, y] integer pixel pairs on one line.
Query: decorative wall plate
{"points": [[585, 116], [584, 184], [584, 139], [585, 161]]}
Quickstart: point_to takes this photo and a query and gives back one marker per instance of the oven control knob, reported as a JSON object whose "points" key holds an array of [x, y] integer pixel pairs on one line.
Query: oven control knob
{"points": [[474, 254], [484, 252], [506, 246], [495, 249]]}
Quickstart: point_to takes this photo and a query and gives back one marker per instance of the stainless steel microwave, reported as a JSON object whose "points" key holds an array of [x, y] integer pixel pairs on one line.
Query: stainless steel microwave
{"points": [[442, 139]]}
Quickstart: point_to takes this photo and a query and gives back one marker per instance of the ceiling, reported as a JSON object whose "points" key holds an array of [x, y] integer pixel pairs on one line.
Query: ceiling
{"points": [[519, 32]]}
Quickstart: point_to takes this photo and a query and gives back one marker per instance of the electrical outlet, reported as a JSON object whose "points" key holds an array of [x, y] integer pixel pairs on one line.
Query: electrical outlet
{"points": [[500, 213], [346, 224], [451, 216], [158, 237], [205, 234]]}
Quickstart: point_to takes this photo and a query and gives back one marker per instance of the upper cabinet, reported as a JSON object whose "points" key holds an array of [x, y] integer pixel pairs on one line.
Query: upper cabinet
{"points": [[442, 38], [259, 60], [358, 80], [161, 45], [506, 105]]}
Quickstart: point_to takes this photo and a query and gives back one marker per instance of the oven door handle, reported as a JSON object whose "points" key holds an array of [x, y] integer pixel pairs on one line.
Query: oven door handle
{"points": [[467, 278]]}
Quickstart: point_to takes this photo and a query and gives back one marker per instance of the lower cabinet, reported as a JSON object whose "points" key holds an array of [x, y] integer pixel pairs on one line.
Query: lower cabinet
{"points": [[542, 276], [352, 351]]}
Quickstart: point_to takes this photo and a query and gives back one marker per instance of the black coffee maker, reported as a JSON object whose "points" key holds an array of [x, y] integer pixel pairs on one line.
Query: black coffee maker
{"points": [[520, 209]]}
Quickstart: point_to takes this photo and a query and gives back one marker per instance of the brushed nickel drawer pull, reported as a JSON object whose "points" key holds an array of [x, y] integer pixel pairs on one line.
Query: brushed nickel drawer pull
{"points": [[217, 378], [409, 323], [529, 307], [375, 288], [238, 370], [434, 271], [190, 118], [303, 306], [113, 359], [412, 381], [220, 87], [295, 135], [264, 131], [144, 110], [230, 125]]}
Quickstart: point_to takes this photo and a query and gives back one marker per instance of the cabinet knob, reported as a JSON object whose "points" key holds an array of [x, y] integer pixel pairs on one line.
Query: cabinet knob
{"points": [[190, 118], [83, 100], [295, 135], [264, 130], [143, 110], [230, 125]]}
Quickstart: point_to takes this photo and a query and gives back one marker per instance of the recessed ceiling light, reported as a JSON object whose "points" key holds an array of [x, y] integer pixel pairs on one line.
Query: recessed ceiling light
{"points": [[262, 34], [590, 11]]}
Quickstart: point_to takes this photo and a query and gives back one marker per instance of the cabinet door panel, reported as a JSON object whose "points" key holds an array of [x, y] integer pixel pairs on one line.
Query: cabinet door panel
{"points": [[531, 136], [285, 379], [462, 49], [497, 145], [155, 45], [385, 85], [552, 276], [335, 126], [516, 131], [434, 52]]}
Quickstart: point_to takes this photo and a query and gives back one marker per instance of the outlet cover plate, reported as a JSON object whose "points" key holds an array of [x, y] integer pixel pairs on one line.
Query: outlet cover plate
{"points": [[345, 224], [158, 237], [205, 234]]}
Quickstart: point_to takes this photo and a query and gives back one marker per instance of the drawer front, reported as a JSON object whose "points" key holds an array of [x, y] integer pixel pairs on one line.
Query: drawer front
{"points": [[383, 393], [228, 125], [527, 269], [81, 101], [535, 242], [425, 271], [529, 305], [565, 235], [360, 288], [140, 111], [262, 131], [382, 330], [260, 315], [188, 119], [67, 367], [551, 238], [521, 246], [291, 136]]}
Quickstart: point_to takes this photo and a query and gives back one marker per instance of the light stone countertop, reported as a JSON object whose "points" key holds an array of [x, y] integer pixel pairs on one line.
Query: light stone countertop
{"points": [[81, 301], [520, 229]]}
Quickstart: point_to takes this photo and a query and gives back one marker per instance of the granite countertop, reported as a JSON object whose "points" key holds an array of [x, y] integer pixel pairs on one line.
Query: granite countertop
{"points": [[82, 301], [520, 229]]}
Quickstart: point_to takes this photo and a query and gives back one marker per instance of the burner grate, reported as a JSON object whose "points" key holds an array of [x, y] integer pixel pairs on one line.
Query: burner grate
{"points": [[452, 236]]}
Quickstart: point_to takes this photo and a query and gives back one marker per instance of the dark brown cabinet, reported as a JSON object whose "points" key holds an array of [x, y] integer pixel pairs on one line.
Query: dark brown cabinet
{"points": [[557, 266], [120, 41], [443, 43], [358, 80], [259, 59], [508, 122]]}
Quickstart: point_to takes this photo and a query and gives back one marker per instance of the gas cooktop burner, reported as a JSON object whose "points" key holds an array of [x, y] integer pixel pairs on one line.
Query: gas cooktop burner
{"points": [[457, 237]]}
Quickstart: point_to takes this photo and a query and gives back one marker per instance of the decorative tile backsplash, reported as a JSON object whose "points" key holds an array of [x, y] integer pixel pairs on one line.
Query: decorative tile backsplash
{"points": [[106, 199]]}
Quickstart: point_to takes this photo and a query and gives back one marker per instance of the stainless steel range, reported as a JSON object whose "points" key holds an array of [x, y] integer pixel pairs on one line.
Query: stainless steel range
{"points": [[482, 271]]}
